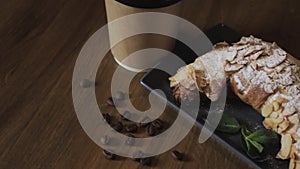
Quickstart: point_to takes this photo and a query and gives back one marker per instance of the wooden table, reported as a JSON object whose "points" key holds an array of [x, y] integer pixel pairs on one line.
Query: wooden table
{"points": [[39, 44]]}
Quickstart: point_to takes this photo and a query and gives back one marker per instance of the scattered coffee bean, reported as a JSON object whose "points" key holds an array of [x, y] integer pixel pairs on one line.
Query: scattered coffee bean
{"points": [[177, 155], [105, 140], [126, 115], [107, 118], [109, 155], [151, 131], [131, 128], [110, 101], [146, 161], [158, 124], [130, 140], [145, 122], [120, 95], [118, 127]]}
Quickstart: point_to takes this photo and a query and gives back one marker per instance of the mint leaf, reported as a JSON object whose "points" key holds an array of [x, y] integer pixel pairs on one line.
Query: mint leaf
{"points": [[228, 124], [245, 133], [249, 142], [258, 146], [263, 136], [255, 142]]}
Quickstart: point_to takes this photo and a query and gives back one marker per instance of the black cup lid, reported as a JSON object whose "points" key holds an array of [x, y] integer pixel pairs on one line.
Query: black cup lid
{"points": [[148, 3]]}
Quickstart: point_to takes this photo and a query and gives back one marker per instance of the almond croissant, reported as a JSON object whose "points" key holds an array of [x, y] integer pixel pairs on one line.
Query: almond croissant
{"points": [[262, 75]]}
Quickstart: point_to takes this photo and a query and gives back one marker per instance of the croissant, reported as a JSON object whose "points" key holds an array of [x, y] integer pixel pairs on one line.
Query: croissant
{"points": [[261, 74]]}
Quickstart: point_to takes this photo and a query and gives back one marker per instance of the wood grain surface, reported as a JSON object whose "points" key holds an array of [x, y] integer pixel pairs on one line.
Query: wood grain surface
{"points": [[39, 43]]}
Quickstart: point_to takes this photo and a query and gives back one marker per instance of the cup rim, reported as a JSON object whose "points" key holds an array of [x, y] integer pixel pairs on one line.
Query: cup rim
{"points": [[148, 4]]}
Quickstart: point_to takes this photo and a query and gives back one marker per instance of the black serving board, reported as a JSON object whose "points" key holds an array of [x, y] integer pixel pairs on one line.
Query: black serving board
{"points": [[246, 115]]}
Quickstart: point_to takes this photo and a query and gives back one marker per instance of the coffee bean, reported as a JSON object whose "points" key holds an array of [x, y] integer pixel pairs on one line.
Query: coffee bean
{"points": [[130, 140], [151, 131], [145, 122], [177, 155], [120, 96], [109, 155], [146, 161], [158, 124], [110, 101], [126, 115], [118, 127], [107, 118], [105, 140], [131, 128]]}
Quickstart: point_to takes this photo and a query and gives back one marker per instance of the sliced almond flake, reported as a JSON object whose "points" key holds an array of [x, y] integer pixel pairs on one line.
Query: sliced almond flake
{"points": [[269, 124], [256, 55], [243, 41], [276, 106], [267, 110], [286, 146], [278, 51], [242, 62], [271, 61], [294, 121], [238, 47], [270, 88], [262, 64], [292, 90], [239, 83], [296, 153], [285, 80], [288, 71], [243, 53], [260, 78], [254, 49], [250, 40], [268, 51], [268, 70], [231, 68], [281, 67], [288, 110], [221, 45], [230, 55], [275, 60], [292, 164], [283, 126], [253, 64], [274, 115]]}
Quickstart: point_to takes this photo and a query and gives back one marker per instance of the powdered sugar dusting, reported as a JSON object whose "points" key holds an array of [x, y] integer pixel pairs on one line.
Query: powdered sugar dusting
{"points": [[251, 64]]}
